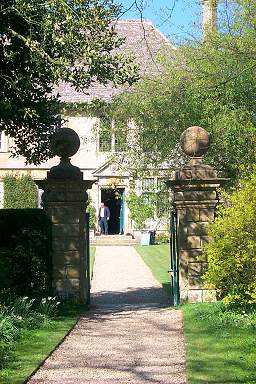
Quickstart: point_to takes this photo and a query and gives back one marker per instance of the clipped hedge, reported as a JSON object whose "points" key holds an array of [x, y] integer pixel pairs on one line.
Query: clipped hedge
{"points": [[25, 251], [20, 192]]}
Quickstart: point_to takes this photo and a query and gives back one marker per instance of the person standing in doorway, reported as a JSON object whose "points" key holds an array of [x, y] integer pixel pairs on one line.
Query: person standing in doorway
{"points": [[104, 215]]}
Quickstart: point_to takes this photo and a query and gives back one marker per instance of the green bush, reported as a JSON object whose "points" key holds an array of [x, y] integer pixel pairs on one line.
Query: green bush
{"points": [[162, 238], [92, 218], [232, 253], [20, 192], [140, 211], [25, 251]]}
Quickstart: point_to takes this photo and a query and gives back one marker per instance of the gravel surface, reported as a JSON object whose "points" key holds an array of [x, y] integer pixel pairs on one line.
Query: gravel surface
{"points": [[129, 337]]}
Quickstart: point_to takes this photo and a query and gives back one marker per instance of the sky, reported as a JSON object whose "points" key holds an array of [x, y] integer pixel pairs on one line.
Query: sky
{"points": [[177, 19]]}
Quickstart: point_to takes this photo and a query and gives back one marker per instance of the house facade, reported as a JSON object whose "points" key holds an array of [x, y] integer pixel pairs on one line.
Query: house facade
{"points": [[111, 185]]}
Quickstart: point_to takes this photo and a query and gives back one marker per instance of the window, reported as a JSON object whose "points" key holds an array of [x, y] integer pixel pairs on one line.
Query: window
{"points": [[109, 138], [148, 185]]}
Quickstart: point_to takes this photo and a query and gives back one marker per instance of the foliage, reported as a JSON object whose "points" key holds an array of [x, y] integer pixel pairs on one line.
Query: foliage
{"points": [[162, 237], [192, 90], [220, 343], [140, 211], [25, 251], [27, 352], [48, 306], [232, 253], [92, 212], [19, 314], [19, 192], [43, 43]]}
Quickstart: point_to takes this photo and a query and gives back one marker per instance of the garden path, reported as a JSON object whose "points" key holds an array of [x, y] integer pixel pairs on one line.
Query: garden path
{"points": [[130, 336]]}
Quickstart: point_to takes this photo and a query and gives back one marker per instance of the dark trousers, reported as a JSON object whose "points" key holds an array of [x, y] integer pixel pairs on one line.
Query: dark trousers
{"points": [[103, 225]]}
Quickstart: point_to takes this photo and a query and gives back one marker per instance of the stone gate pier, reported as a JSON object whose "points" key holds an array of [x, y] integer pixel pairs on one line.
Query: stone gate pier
{"points": [[64, 200], [195, 198]]}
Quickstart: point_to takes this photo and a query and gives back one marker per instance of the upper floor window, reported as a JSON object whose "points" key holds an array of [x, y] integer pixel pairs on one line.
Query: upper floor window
{"points": [[110, 137], [148, 185]]}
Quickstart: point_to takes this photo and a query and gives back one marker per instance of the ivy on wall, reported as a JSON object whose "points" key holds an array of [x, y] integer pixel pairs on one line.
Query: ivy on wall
{"points": [[20, 192], [95, 108]]}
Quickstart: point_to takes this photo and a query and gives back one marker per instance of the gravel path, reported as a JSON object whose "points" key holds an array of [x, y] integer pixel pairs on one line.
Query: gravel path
{"points": [[129, 337]]}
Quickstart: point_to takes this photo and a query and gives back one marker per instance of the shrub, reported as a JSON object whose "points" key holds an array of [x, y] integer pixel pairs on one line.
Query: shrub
{"points": [[92, 216], [162, 238], [232, 253], [140, 211], [25, 251], [20, 192]]}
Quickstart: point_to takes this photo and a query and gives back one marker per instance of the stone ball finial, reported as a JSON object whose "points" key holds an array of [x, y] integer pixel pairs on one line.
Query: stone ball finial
{"points": [[194, 141], [65, 143]]}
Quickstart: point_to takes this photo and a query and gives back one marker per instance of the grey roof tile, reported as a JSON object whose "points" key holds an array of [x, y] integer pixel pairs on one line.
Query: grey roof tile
{"points": [[142, 40]]}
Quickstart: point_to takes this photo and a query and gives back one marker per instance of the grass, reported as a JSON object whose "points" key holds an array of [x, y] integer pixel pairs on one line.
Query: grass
{"points": [[220, 343], [157, 259], [36, 344], [218, 348], [28, 351]]}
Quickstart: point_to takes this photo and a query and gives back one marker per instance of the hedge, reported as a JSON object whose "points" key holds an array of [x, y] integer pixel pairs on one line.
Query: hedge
{"points": [[20, 192], [25, 251]]}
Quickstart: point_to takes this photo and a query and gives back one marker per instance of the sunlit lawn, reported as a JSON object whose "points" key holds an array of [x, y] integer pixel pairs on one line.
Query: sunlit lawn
{"points": [[34, 347], [217, 351], [157, 259]]}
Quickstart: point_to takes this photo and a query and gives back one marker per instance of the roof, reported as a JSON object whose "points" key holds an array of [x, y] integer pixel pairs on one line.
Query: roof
{"points": [[143, 40]]}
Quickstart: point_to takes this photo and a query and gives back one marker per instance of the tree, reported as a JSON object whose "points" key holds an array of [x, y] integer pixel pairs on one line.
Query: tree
{"points": [[210, 84], [43, 42]]}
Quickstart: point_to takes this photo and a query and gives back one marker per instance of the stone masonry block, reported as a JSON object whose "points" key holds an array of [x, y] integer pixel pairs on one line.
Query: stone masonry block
{"points": [[195, 282], [183, 295], [199, 195], [209, 295], [178, 196], [199, 229], [194, 269], [70, 257], [64, 230], [73, 272], [206, 214], [67, 287], [64, 214], [193, 242], [193, 214], [66, 244], [191, 255], [195, 296]]}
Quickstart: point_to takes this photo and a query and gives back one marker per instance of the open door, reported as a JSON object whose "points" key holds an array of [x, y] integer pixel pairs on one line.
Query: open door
{"points": [[114, 200]]}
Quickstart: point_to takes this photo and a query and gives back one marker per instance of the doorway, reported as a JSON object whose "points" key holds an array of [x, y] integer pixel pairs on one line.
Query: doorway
{"points": [[114, 200]]}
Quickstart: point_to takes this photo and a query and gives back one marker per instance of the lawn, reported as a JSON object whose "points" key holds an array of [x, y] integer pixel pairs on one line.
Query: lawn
{"points": [[220, 343], [35, 345], [157, 259]]}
